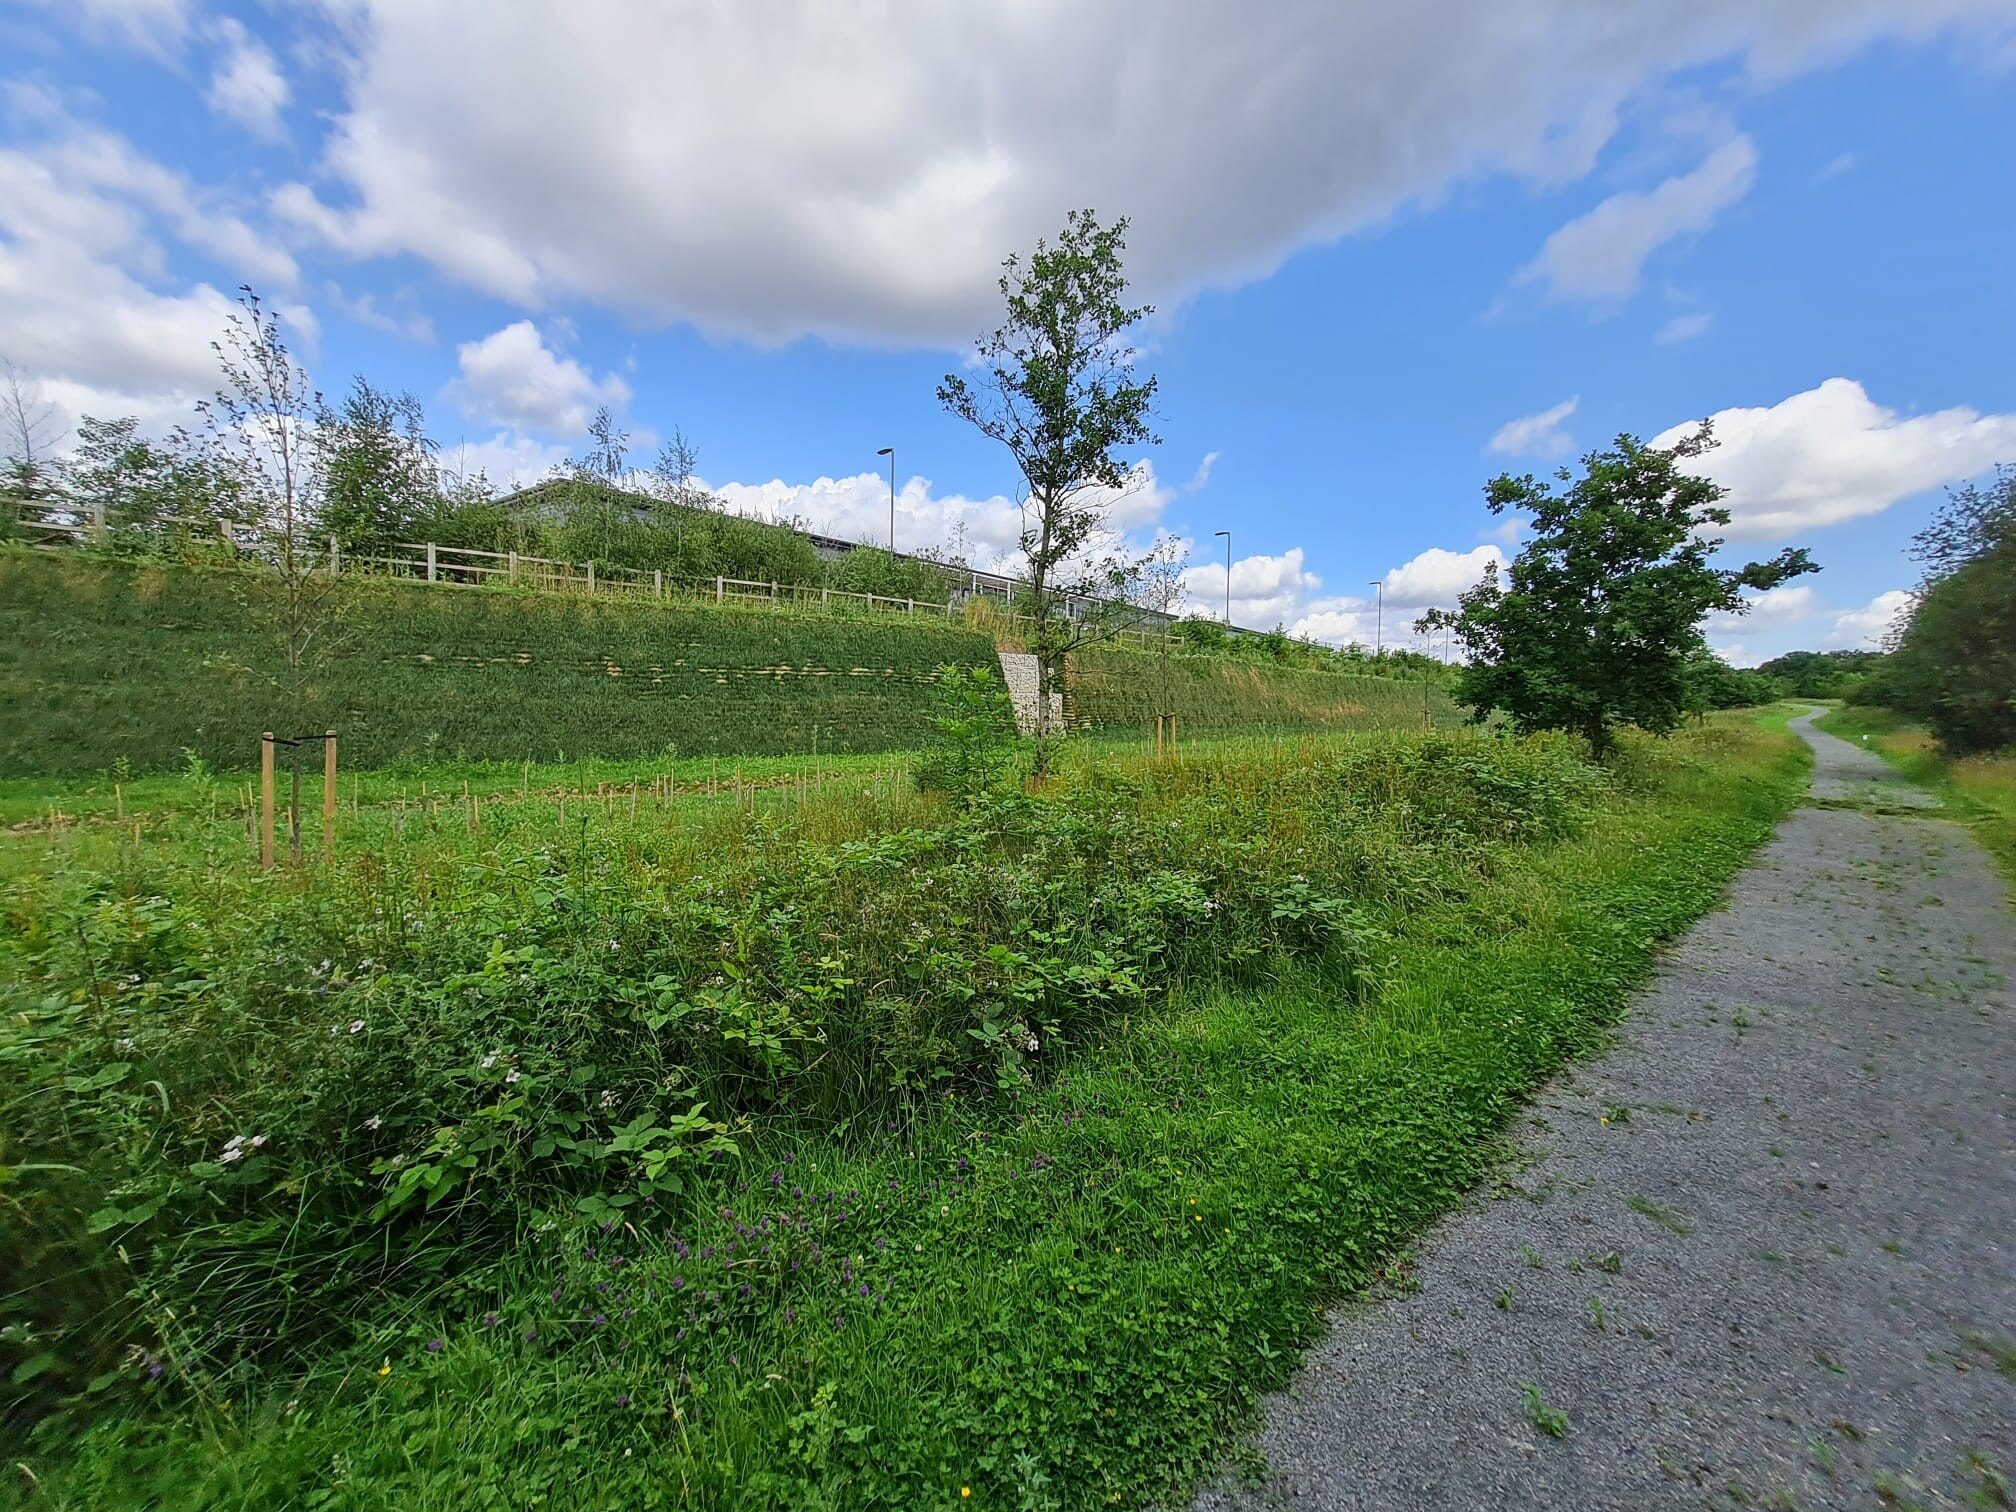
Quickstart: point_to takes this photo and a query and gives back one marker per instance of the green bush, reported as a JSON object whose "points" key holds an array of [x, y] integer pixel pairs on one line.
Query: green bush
{"points": [[236, 1107], [104, 662], [973, 745]]}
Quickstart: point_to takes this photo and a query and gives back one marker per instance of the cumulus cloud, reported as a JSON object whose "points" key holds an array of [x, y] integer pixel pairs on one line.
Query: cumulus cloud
{"points": [[1787, 604], [1832, 454], [899, 151], [1868, 627], [1599, 255], [507, 459], [512, 378], [89, 305], [1438, 578], [248, 86], [1538, 435], [1266, 590], [986, 532]]}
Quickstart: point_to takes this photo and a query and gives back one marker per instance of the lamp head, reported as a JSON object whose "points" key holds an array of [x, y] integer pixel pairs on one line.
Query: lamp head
{"points": [[885, 451]]}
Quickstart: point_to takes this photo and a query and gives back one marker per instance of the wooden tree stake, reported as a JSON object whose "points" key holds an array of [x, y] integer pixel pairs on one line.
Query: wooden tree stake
{"points": [[329, 794], [266, 801]]}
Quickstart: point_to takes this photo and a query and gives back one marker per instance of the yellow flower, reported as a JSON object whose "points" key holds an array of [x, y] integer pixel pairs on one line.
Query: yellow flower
{"points": [[386, 1368], [964, 1492], [1196, 1217]]}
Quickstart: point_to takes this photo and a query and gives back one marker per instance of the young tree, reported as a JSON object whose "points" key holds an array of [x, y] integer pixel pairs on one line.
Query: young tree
{"points": [[672, 476], [1605, 601], [1058, 389], [29, 431], [380, 473], [260, 430]]}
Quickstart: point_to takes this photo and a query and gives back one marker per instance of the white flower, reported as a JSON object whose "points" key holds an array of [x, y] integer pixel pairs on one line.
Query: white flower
{"points": [[230, 1155], [608, 1099], [126, 1044], [356, 1026], [374, 1122], [512, 1077], [234, 1149], [1032, 1044], [258, 1140], [614, 946], [489, 1060]]}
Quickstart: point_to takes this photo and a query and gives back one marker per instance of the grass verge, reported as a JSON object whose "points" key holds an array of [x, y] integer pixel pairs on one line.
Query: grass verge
{"points": [[1060, 1299]]}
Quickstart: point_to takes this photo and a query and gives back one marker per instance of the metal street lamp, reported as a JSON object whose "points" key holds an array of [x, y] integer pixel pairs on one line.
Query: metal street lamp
{"points": [[1379, 618], [890, 453], [1228, 575]]}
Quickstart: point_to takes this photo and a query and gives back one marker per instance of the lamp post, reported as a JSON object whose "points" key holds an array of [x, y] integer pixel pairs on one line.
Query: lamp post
{"points": [[1379, 618], [890, 453], [1228, 575]]}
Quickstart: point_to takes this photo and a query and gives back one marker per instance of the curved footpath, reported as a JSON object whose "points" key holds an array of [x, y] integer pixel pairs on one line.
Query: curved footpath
{"points": [[1763, 1253]]}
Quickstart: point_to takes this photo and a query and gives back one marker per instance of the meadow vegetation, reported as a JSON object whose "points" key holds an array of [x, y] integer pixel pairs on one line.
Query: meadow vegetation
{"points": [[1979, 788], [845, 1145]]}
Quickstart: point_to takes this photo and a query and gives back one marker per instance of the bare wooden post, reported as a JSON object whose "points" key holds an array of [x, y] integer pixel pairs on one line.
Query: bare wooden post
{"points": [[719, 585], [335, 557], [329, 794], [591, 578], [430, 562], [266, 801], [294, 807], [511, 568], [118, 801], [98, 520], [822, 595], [658, 582]]}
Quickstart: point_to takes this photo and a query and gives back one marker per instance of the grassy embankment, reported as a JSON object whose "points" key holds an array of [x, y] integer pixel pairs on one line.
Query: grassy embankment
{"points": [[1978, 789], [1054, 1122]]}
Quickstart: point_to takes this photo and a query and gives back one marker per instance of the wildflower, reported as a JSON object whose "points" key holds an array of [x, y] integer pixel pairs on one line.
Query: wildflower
{"points": [[608, 1099], [490, 1320], [126, 1044], [555, 1294], [513, 1076], [623, 1400], [964, 1492], [385, 1368], [433, 1346], [374, 1122], [356, 1026], [600, 1320], [489, 1060]]}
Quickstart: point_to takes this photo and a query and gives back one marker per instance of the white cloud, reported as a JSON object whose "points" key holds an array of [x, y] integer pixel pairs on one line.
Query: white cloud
{"points": [[985, 532], [1266, 590], [364, 309], [1684, 328], [899, 151], [511, 377], [1599, 255], [1788, 604], [1438, 578], [1866, 628], [1538, 435], [151, 26], [1832, 454], [507, 460], [248, 86], [1200, 478]]}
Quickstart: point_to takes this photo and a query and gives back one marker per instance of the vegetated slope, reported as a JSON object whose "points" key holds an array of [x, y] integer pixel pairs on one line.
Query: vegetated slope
{"points": [[1063, 1114], [103, 662], [1122, 691]]}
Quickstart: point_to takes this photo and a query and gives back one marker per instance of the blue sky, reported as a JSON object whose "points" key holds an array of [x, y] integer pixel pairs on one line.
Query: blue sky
{"points": [[1393, 252]]}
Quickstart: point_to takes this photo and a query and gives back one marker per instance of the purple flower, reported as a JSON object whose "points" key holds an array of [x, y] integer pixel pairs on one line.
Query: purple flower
{"points": [[864, 1288], [745, 1288], [556, 1294], [600, 1319], [618, 1263], [433, 1346], [601, 1286], [734, 1359], [790, 1315], [490, 1320], [679, 1335], [677, 1282], [623, 1400]]}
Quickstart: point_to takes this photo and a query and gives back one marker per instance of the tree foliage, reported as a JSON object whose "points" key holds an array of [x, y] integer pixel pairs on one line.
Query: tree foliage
{"points": [[1058, 389], [1955, 662], [380, 477], [1603, 609]]}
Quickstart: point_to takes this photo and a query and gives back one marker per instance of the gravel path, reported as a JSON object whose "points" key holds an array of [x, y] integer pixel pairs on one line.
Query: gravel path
{"points": [[1781, 1274]]}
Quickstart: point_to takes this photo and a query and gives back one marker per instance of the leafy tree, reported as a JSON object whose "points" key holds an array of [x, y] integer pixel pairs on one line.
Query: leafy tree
{"points": [[1058, 389], [1955, 662], [1711, 683], [1820, 674], [260, 431], [380, 474], [153, 497], [1605, 601]]}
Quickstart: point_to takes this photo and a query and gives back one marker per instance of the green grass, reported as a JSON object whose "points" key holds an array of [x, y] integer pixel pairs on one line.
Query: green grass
{"points": [[1079, 1285], [1123, 691], [1981, 790], [110, 666]]}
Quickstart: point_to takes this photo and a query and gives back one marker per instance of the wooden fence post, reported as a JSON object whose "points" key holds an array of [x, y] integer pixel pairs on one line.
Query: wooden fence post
{"points": [[430, 561], [718, 586], [266, 801], [512, 568], [658, 582], [335, 557], [329, 794], [591, 578]]}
